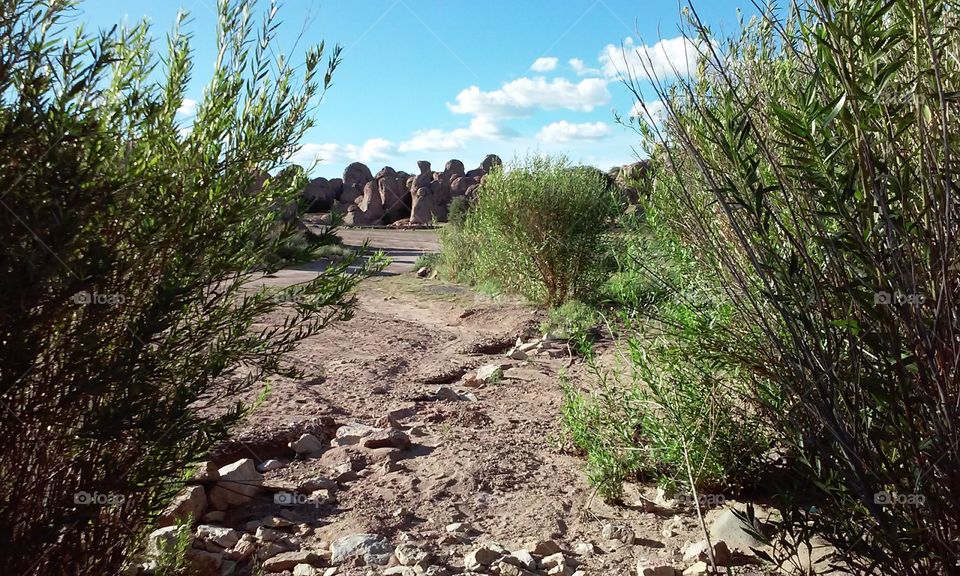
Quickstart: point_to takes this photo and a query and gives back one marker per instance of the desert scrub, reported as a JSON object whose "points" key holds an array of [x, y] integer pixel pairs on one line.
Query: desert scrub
{"points": [[810, 165], [538, 228], [129, 314]]}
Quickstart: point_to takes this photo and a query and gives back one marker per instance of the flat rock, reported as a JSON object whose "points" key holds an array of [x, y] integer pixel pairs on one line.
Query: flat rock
{"points": [[481, 557], [735, 532], [542, 547], [409, 555], [662, 570], [353, 433], [307, 445], [372, 548], [191, 502], [521, 558], [490, 373], [387, 438], [305, 570], [288, 560], [239, 483], [219, 535]]}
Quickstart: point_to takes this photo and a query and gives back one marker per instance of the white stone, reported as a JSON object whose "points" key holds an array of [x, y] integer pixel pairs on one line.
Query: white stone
{"points": [[239, 483], [307, 445], [219, 535]]}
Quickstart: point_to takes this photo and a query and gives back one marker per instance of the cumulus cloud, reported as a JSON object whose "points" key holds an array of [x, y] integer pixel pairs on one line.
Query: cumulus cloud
{"points": [[564, 131], [436, 140], [523, 96], [187, 107], [656, 108], [581, 69], [544, 64], [374, 149], [664, 59]]}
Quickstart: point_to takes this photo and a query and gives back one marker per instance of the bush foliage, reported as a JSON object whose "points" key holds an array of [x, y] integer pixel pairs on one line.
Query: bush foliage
{"points": [[810, 165], [129, 244], [538, 228]]}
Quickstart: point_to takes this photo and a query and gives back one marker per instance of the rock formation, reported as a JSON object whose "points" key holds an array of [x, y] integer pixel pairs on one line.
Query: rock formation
{"points": [[395, 197]]}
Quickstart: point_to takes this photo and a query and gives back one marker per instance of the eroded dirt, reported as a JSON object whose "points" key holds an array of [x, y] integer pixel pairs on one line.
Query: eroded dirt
{"points": [[494, 462]]}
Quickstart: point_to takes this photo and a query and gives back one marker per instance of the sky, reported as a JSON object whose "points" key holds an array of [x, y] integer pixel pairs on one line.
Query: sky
{"points": [[440, 79]]}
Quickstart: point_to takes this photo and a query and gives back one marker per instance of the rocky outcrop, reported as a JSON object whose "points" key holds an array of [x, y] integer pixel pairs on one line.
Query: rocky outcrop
{"points": [[391, 196]]}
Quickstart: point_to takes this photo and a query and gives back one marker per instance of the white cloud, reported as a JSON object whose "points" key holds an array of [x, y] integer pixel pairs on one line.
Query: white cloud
{"points": [[665, 59], [188, 107], [481, 128], [544, 64], [374, 149], [564, 131], [655, 108], [523, 96], [581, 69]]}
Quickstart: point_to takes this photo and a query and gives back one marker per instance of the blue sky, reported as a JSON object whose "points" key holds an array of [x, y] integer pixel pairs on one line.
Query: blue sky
{"points": [[440, 79]]}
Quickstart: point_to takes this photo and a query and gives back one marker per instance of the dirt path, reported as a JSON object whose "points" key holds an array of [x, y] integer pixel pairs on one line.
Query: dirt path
{"points": [[488, 458]]}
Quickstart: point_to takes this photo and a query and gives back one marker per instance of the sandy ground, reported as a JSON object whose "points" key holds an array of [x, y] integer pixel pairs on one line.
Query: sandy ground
{"points": [[494, 462]]}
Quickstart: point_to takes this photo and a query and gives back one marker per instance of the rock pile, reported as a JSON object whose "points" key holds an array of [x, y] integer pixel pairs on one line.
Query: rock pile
{"points": [[195, 518], [392, 197]]}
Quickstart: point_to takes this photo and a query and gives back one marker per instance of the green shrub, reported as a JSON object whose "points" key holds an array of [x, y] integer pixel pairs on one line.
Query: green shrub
{"points": [[128, 314], [457, 211], [429, 260], [811, 167], [691, 422], [538, 228]]}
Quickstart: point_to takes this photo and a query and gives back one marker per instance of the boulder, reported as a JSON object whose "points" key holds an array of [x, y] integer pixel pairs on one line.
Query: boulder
{"points": [[371, 204], [440, 200], [454, 168], [239, 482], [350, 194], [191, 502], [422, 211], [395, 199], [320, 194], [356, 174], [490, 161], [372, 548], [385, 172], [459, 186]]}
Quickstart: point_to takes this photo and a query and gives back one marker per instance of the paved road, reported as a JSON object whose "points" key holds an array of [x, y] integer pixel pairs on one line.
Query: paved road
{"points": [[402, 246]]}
